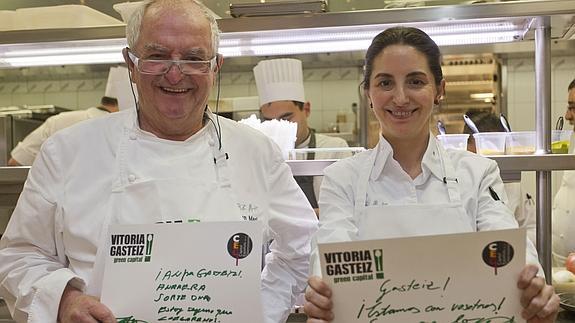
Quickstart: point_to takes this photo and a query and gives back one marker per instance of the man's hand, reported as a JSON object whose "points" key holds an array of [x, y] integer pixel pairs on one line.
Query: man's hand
{"points": [[78, 307], [318, 303], [539, 301]]}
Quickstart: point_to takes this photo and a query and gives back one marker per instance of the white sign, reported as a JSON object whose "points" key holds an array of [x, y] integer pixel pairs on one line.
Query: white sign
{"points": [[194, 272], [454, 278]]}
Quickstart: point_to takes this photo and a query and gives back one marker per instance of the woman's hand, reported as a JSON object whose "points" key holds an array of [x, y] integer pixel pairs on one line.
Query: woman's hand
{"points": [[539, 301], [318, 303]]}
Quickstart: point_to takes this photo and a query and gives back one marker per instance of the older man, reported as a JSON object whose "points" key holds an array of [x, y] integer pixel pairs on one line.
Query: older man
{"points": [[125, 167]]}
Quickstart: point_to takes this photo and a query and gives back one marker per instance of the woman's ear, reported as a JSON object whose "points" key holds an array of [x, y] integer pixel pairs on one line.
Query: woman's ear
{"points": [[440, 92]]}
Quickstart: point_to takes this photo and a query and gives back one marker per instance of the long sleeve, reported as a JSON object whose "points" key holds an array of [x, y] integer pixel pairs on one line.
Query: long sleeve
{"points": [[33, 270], [291, 223]]}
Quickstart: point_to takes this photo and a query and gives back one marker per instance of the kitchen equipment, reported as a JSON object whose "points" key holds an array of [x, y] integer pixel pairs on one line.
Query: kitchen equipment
{"points": [[560, 140], [559, 124], [520, 143], [490, 143], [470, 124], [504, 122], [454, 141], [440, 127]]}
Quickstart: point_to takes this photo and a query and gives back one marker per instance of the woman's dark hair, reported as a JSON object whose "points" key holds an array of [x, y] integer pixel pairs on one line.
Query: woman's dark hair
{"points": [[404, 36]]}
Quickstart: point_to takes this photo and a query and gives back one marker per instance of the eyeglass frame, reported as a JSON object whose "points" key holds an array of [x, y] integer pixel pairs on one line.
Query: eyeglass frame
{"points": [[135, 59]]}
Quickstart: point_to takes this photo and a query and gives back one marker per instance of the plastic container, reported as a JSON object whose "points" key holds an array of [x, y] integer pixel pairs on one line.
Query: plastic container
{"points": [[490, 143], [454, 141], [520, 143], [560, 141]]}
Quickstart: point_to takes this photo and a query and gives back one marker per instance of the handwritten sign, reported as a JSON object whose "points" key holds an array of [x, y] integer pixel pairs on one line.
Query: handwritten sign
{"points": [[455, 278], [192, 272]]}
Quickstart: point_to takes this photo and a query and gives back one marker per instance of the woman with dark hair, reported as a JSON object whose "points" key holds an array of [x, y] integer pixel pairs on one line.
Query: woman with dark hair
{"points": [[409, 185]]}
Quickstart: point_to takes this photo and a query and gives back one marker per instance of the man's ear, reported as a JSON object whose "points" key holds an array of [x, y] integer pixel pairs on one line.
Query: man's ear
{"points": [[307, 108], [219, 62], [129, 63]]}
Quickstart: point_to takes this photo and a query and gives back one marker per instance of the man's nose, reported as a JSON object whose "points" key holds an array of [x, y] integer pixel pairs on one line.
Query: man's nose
{"points": [[174, 73]]}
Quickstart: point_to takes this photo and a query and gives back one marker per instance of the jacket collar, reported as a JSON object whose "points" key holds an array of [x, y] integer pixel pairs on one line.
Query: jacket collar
{"points": [[430, 164]]}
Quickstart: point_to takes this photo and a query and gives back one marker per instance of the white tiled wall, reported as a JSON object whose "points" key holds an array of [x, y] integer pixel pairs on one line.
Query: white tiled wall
{"points": [[521, 99], [331, 91]]}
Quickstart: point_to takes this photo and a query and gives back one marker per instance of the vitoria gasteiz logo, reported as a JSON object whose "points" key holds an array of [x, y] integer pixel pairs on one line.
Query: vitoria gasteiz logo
{"points": [[132, 248]]}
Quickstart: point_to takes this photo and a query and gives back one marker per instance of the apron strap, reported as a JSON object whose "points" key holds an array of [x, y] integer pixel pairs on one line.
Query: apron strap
{"points": [[449, 175]]}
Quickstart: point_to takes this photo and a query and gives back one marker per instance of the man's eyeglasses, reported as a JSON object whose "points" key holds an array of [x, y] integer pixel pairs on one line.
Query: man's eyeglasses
{"points": [[162, 66]]}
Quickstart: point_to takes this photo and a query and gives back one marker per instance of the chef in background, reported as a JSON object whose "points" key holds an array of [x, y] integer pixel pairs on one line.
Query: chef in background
{"points": [[564, 202], [281, 91], [519, 202], [117, 96]]}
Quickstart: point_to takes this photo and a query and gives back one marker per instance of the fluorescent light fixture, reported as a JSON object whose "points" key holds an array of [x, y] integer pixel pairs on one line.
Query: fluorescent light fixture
{"points": [[356, 38], [262, 43], [103, 51], [482, 96]]}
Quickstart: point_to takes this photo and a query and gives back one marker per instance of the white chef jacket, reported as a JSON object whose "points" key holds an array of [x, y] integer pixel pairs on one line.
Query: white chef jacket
{"points": [[26, 150], [53, 234], [390, 184], [523, 207], [323, 141], [563, 220]]}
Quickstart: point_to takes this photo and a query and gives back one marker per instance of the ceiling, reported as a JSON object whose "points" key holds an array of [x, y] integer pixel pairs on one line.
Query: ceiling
{"points": [[221, 7]]}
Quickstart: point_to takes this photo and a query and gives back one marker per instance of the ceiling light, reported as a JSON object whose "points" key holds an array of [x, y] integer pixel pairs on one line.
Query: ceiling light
{"points": [[482, 96]]}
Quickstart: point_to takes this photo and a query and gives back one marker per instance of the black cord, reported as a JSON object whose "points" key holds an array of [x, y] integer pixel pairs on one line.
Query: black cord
{"points": [[219, 128]]}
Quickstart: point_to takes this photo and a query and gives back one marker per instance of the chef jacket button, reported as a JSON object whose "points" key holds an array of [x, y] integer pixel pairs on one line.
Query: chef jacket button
{"points": [[211, 142], [132, 136], [131, 178], [561, 236]]}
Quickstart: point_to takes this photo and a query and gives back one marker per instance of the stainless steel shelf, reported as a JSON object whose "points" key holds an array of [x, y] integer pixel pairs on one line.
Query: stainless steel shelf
{"points": [[508, 164]]}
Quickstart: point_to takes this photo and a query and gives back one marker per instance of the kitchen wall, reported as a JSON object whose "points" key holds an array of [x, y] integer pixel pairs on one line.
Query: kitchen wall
{"points": [[68, 86], [331, 92]]}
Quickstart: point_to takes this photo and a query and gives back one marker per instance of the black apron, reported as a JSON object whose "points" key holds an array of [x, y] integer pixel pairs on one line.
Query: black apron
{"points": [[306, 182]]}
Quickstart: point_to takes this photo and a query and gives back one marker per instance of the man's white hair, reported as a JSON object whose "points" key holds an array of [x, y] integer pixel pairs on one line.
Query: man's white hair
{"points": [[135, 22]]}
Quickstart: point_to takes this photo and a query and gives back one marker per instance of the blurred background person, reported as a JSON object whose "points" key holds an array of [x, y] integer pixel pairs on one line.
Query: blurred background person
{"points": [[117, 94], [280, 88], [519, 202], [564, 203]]}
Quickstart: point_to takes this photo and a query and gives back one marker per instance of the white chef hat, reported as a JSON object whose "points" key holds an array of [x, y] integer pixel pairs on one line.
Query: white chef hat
{"points": [[118, 87], [279, 79]]}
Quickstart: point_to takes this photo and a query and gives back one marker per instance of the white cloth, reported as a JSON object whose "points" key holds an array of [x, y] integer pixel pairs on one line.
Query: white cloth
{"points": [[522, 206], [54, 231], [389, 184], [323, 141], [26, 150], [563, 220]]}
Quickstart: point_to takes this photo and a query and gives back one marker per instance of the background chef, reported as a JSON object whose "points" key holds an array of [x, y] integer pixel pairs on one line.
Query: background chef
{"points": [[564, 202], [117, 96], [281, 91]]}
